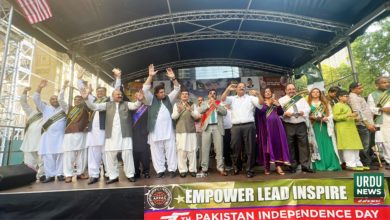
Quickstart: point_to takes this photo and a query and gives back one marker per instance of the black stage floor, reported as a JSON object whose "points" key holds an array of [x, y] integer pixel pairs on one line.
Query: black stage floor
{"points": [[121, 200]]}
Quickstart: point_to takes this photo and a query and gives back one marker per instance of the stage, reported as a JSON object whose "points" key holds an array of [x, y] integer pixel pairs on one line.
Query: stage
{"points": [[121, 200]]}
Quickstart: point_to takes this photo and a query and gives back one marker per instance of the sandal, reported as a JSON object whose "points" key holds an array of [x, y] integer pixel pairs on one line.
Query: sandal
{"points": [[279, 170], [267, 172]]}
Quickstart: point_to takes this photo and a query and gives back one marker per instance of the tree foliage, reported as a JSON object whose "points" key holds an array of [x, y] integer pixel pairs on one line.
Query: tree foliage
{"points": [[371, 53]]}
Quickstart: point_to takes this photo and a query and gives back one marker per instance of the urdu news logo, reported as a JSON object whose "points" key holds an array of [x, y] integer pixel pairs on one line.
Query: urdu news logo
{"points": [[369, 188]]}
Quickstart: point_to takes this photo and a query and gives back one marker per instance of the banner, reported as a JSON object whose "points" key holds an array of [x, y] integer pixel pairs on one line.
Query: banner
{"points": [[277, 84], [363, 197]]}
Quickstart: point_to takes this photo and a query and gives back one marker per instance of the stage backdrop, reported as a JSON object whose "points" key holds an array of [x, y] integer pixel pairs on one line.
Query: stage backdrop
{"points": [[364, 197]]}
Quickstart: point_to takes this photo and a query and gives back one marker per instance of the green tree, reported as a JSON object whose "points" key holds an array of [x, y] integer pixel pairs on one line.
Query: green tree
{"points": [[371, 55]]}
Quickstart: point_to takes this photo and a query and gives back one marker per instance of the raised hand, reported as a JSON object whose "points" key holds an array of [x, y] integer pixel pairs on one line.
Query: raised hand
{"points": [[253, 92], [66, 84], [42, 84], [180, 107], [170, 73], [211, 101], [232, 87], [117, 72], [139, 96], [152, 72], [188, 107], [80, 74], [275, 102], [84, 93], [27, 89]]}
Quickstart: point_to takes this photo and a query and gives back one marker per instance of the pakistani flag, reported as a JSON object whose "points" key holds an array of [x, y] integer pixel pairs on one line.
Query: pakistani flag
{"points": [[313, 75]]}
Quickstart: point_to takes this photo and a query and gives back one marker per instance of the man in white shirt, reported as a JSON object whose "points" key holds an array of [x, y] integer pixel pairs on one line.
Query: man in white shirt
{"points": [[50, 144], [243, 120], [296, 113], [379, 102], [160, 125], [118, 133], [96, 128], [32, 134]]}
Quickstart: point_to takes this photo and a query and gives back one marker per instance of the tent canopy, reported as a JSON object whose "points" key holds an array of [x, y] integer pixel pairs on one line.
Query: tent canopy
{"points": [[270, 35]]}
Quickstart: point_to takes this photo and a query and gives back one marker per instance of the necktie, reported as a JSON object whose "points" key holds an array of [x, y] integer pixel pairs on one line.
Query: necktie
{"points": [[213, 119]]}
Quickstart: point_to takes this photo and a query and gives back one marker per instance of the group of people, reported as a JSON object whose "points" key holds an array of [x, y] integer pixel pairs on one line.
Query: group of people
{"points": [[244, 128]]}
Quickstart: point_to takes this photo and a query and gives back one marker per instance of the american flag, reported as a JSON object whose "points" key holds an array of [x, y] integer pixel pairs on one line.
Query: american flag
{"points": [[35, 10]]}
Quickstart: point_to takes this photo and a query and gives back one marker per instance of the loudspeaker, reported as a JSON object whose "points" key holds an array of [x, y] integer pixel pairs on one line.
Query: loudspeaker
{"points": [[16, 175]]}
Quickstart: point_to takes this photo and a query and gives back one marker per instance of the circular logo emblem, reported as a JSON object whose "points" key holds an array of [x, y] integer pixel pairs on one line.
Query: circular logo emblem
{"points": [[159, 197]]}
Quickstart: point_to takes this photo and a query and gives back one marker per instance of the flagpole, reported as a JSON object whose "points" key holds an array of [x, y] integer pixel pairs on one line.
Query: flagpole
{"points": [[6, 44], [354, 74]]}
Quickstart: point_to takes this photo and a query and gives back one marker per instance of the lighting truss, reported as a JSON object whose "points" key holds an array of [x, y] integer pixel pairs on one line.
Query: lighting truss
{"points": [[209, 15], [208, 35], [211, 62]]}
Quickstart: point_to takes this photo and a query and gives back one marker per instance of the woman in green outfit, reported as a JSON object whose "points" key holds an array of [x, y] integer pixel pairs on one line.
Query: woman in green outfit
{"points": [[327, 158], [348, 139]]}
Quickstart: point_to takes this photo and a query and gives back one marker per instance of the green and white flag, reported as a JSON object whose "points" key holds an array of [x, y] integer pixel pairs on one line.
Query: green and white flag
{"points": [[313, 75]]}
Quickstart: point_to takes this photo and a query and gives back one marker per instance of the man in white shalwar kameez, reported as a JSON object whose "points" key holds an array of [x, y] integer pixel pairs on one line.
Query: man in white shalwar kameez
{"points": [[96, 128], [118, 133], [32, 135], [185, 114], [379, 102], [50, 144], [75, 152], [160, 126]]}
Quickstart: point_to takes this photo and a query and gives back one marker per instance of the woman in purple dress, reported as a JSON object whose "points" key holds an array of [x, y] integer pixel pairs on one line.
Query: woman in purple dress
{"points": [[271, 135]]}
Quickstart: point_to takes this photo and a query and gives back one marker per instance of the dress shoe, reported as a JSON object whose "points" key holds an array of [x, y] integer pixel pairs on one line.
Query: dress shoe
{"points": [[61, 178], [344, 166], [374, 167], [160, 175], [193, 174], [112, 181], [182, 175], [68, 179], [307, 170], [82, 177], [292, 170], [172, 174], [222, 173], [146, 175], [93, 180], [250, 174], [131, 179], [48, 179], [42, 178]]}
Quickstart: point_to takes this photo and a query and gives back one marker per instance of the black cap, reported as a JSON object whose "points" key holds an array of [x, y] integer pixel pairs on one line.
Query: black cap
{"points": [[354, 85]]}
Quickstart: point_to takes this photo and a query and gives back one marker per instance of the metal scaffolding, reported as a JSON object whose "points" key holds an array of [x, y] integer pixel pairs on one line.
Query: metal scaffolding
{"points": [[211, 62], [18, 51], [207, 35], [209, 15]]}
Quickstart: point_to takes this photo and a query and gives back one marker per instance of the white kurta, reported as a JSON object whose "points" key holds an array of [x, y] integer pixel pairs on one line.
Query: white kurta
{"points": [[186, 141], [96, 136], [51, 141], [74, 141], [117, 142], [383, 135], [33, 134], [302, 105], [163, 129]]}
